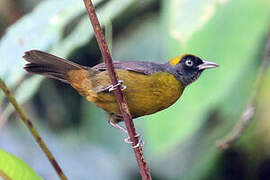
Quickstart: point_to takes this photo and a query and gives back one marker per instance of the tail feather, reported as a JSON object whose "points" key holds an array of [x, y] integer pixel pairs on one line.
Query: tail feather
{"points": [[49, 65]]}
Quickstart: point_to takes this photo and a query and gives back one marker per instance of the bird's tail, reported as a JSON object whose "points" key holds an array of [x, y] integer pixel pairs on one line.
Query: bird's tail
{"points": [[49, 65]]}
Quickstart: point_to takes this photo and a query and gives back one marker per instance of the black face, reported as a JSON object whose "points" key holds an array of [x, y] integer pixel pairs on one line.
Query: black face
{"points": [[190, 63], [187, 70]]}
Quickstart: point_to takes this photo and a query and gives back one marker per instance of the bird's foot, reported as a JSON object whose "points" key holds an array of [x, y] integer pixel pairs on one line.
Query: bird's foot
{"points": [[127, 140], [113, 87], [140, 141]]}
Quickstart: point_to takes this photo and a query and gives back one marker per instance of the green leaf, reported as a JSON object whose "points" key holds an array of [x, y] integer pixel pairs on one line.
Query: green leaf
{"points": [[46, 28], [233, 38], [15, 168], [188, 16], [83, 31], [33, 31]]}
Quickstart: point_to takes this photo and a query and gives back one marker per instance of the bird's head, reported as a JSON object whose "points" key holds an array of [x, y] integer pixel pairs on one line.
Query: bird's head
{"points": [[187, 68]]}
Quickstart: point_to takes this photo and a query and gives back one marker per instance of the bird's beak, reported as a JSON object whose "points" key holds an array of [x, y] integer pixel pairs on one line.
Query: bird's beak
{"points": [[207, 65]]}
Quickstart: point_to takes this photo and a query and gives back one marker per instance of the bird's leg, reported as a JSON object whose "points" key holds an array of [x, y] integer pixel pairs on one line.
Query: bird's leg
{"points": [[114, 121], [116, 125]]}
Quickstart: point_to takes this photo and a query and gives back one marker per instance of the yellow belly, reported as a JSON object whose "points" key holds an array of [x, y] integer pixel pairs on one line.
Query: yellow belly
{"points": [[145, 94]]}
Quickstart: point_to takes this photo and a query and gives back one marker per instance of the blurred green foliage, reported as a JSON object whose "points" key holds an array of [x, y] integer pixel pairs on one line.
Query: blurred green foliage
{"points": [[15, 168], [180, 141]]}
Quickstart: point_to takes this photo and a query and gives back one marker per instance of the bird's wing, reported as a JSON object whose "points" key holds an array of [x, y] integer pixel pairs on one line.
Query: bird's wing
{"points": [[135, 66]]}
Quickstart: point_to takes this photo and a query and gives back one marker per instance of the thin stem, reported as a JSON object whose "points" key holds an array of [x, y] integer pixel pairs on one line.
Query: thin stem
{"points": [[248, 113], [145, 173], [33, 130]]}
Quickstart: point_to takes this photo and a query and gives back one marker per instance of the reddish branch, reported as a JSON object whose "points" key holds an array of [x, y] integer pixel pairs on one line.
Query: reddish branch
{"points": [[145, 173]]}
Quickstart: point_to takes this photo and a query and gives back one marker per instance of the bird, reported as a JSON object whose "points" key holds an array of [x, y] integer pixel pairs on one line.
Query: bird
{"points": [[148, 87]]}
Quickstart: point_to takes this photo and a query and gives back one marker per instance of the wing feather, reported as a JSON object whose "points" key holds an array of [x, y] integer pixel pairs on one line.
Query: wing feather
{"points": [[135, 66]]}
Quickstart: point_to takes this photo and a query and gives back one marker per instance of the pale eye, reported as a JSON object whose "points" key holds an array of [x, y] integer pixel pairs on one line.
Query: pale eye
{"points": [[189, 63]]}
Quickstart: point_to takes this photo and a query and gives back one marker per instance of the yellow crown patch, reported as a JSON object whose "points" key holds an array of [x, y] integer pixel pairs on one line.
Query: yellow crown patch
{"points": [[174, 61]]}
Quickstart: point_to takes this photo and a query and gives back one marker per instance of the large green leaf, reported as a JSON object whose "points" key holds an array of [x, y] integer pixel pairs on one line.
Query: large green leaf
{"points": [[233, 38], [187, 17], [83, 30], [15, 168], [59, 27], [34, 31], [37, 30]]}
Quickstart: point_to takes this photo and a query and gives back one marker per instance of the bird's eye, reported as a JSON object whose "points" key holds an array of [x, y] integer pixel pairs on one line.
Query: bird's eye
{"points": [[189, 63]]}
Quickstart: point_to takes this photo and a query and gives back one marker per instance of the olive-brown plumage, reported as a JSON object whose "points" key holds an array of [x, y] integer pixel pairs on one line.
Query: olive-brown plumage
{"points": [[150, 87]]}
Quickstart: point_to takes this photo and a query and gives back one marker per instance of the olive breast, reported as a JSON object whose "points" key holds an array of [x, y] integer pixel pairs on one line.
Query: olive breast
{"points": [[145, 94]]}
